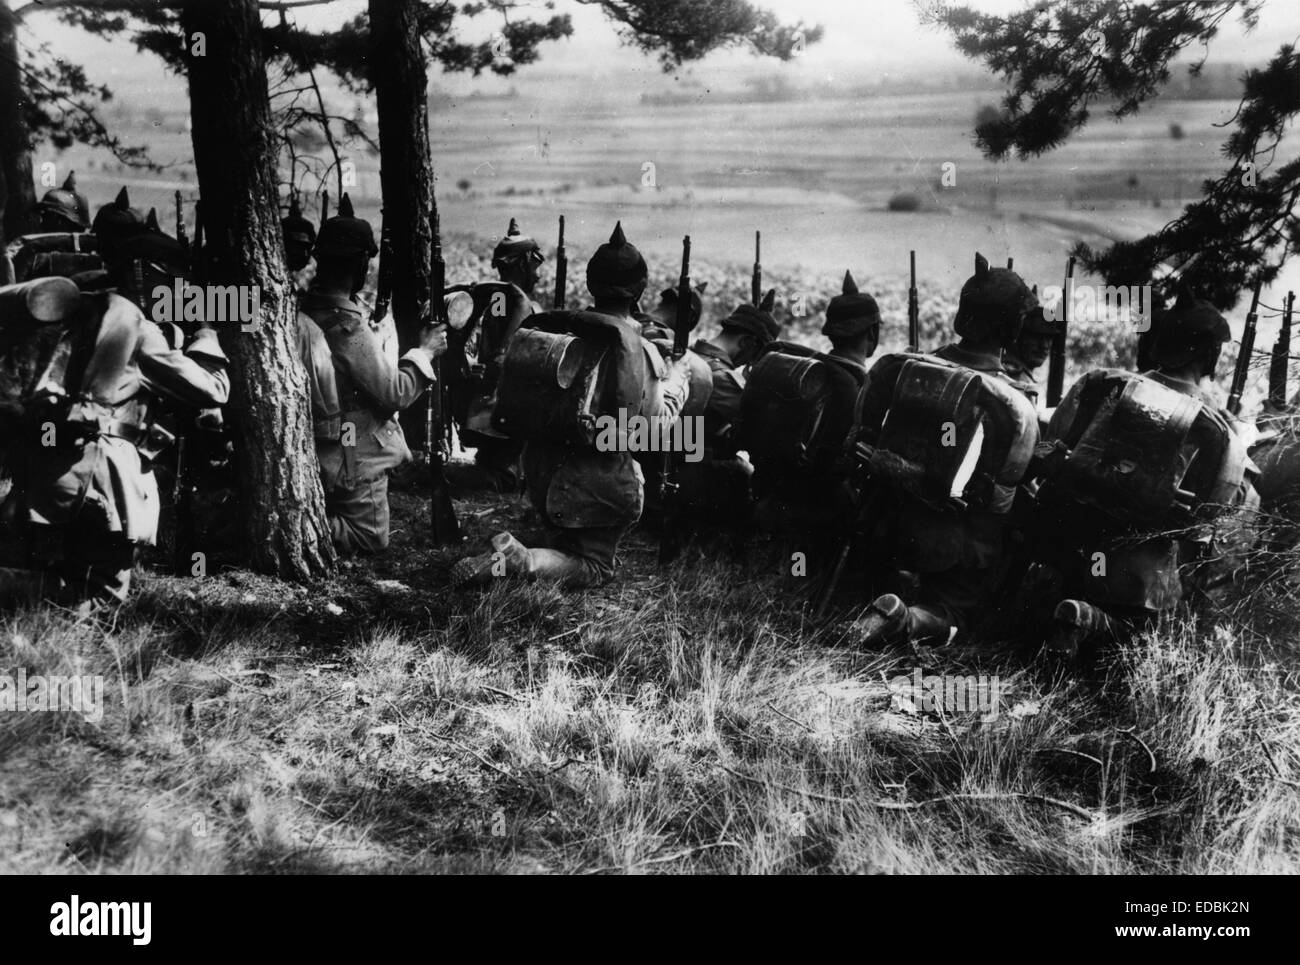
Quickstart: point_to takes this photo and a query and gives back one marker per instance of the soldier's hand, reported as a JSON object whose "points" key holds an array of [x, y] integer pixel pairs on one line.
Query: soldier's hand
{"points": [[433, 339]]}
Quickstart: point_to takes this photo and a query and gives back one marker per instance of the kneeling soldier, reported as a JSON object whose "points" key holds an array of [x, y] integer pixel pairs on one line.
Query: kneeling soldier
{"points": [[589, 493]]}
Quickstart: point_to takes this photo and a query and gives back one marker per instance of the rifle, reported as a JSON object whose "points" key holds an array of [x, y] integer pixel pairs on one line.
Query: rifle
{"points": [[871, 510], [180, 221], [384, 283], [668, 544], [1247, 350], [324, 206], [444, 528], [561, 270], [913, 312], [1056, 361], [1280, 369], [756, 279]]}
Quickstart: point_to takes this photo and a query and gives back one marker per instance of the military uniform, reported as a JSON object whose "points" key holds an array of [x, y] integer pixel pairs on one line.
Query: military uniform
{"points": [[91, 498], [807, 502], [358, 437], [587, 497], [356, 396], [956, 554], [1140, 572], [1015, 358]]}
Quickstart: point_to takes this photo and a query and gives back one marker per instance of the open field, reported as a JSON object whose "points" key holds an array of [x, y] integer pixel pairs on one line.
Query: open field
{"points": [[723, 170]]}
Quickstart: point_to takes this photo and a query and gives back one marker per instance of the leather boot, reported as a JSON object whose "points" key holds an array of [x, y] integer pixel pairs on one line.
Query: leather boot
{"points": [[883, 623], [508, 557], [927, 625], [1076, 625]]}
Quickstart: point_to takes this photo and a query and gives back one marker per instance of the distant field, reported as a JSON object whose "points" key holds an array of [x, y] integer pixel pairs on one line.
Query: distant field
{"points": [[814, 176]]}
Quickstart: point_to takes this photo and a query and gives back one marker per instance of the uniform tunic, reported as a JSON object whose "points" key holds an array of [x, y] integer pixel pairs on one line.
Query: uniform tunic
{"points": [[368, 390], [92, 497]]}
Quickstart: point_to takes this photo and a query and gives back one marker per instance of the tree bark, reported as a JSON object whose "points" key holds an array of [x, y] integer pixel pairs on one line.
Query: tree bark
{"points": [[15, 142], [399, 75], [282, 504]]}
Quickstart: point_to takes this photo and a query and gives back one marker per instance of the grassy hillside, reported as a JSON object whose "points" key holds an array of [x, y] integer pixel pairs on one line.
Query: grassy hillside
{"points": [[683, 720]]}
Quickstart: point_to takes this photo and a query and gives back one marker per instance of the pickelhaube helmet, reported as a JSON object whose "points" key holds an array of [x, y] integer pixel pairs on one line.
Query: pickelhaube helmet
{"points": [[515, 246], [67, 203], [346, 234], [299, 236], [617, 268], [748, 320], [851, 312], [116, 221], [993, 304], [1186, 330]]}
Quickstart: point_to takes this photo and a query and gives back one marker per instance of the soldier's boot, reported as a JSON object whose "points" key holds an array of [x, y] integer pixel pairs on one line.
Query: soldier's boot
{"points": [[508, 557], [1076, 626], [558, 567], [927, 625], [883, 624]]}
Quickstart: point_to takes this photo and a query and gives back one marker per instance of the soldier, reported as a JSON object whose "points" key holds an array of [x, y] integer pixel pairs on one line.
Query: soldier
{"points": [[803, 500], [299, 237], [63, 208], [1117, 552], [87, 496], [948, 447], [499, 309], [1023, 359], [114, 223], [657, 324], [717, 490], [61, 244], [589, 496], [358, 437]]}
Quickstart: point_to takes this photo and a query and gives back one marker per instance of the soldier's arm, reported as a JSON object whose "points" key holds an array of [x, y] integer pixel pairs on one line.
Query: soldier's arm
{"points": [[358, 353], [195, 376]]}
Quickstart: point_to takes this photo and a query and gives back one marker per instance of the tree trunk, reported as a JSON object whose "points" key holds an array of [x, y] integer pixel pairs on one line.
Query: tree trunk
{"points": [[15, 142], [282, 504], [400, 79]]}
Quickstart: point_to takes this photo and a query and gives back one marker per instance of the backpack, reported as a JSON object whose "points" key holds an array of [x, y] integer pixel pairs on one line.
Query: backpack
{"points": [[38, 342], [947, 433], [51, 254], [564, 373], [797, 406], [1144, 453]]}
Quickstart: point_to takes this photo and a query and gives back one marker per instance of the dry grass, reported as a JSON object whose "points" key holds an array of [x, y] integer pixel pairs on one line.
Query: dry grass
{"points": [[684, 721]]}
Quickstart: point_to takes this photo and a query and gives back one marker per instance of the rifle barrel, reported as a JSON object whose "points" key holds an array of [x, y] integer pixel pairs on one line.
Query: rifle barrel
{"points": [[1242, 370], [561, 270], [1056, 362], [1280, 373], [913, 310], [756, 280]]}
